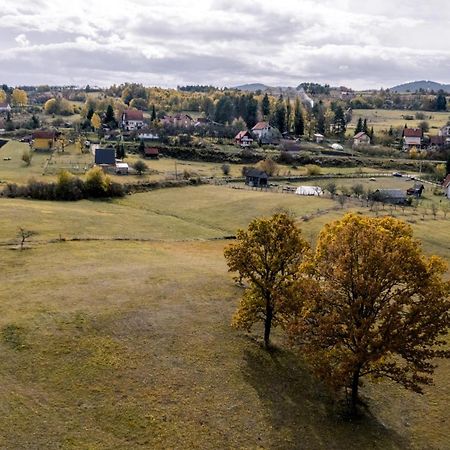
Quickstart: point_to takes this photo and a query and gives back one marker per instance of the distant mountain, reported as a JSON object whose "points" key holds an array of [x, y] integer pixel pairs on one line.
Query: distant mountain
{"points": [[252, 87], [426, 85]]}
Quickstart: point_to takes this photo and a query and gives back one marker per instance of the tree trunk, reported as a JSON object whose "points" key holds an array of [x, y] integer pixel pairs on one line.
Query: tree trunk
{"points": [[354, 396], [268, 324]]}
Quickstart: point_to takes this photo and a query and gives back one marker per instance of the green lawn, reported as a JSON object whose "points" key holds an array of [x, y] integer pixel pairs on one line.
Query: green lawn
{"points": [[113, 344]]}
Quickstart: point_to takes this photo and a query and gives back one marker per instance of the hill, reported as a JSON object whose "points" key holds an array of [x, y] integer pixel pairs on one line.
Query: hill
{"points": [[426, 85], [251, 87]]}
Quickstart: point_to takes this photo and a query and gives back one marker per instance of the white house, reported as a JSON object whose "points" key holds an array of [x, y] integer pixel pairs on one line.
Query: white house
{"points": [[412, 137], [262, 130], [318, 138], [132, 119], [446, 186], [5, 107], [445, 133], [361, 138]]}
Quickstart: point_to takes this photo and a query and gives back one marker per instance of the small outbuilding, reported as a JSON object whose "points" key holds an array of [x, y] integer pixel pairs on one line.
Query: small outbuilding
{"points": [[256, 178], [151, 152], [361, 138], [309, 190], [105, 156], [318, 138], [121, 168], [392, 196]]}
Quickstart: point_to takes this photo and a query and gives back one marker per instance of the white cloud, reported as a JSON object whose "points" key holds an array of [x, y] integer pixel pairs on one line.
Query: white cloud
{"points": [[225, 42]]}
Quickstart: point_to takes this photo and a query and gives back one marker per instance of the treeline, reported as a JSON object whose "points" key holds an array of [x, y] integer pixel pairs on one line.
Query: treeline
{"points": [[68, 187]]}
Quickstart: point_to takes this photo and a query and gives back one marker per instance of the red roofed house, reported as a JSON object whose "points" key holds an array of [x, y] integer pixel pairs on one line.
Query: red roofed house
{"points": [[132, 119], [412, 137], [446, 185], [437, 142], [243, 138], [151, 152], [44, 140], [361, 138]]}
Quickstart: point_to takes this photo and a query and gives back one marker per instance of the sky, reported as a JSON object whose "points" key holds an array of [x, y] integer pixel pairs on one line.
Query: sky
{"points": [[355, 43]]}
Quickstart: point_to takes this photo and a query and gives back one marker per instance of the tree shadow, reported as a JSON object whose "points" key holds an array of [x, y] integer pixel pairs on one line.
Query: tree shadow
{"points": [[301, 412]]}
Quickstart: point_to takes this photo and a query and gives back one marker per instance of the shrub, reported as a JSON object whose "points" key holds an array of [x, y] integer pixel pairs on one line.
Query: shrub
{"points": [[27, 156], [225, 169], [97, 183], [140, 167], [313, 169]]}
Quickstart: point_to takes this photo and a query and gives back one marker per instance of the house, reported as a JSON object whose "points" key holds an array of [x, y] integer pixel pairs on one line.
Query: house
{"points": [[446, 185], [2, 126], [132, 119], [243, 138], [147, 136], [361, 138], [5, 107], [151, 152], [412, 137], [318, 138], [309, 190], [44, 139], [437, 142], [392, 196], [264, 132], [105, 156], [445, 133], [256, 178], [416, 190], [178, 120]]}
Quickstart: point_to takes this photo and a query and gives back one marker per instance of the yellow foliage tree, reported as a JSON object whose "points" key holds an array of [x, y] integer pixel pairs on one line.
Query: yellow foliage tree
{"points": [[51, 106], [3, 96], [19, 97], [96, 121], [374, 305], [269, 166], [266, 256]]}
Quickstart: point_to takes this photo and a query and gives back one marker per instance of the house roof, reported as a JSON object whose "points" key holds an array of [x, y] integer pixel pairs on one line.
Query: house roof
{"points": [[4, 105], [105, 156], [151, 151], [391, 193], [260, 126], [242, 134], [437, 140], [44, 134], [256, 173], [413, 132], [133, 114], [446, 182], [360, 135]]}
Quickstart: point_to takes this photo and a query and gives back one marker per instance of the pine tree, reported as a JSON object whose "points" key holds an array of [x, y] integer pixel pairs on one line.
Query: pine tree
{"points": [[339, 121], [365, 129], [265, 106], [359, 126], [280, 115], [299, 124], [153, 116], [288, 115]]}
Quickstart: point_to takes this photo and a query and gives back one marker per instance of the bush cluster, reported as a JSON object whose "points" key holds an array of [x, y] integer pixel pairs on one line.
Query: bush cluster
{"points": [[68, 187]]}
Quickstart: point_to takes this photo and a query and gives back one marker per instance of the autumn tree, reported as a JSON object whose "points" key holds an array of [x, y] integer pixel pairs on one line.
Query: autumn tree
{"points": [[269, 166], [19, 97], [3, 96], [96, 122], [374, 306], [266, 256]]}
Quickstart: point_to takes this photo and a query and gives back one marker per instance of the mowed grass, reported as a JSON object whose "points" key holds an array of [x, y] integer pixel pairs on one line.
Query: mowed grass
{"points": [[383, 119], [117, 344]]}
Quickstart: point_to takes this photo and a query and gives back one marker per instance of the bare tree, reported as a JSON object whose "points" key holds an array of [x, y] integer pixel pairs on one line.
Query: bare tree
{"points": [[23, 235]]}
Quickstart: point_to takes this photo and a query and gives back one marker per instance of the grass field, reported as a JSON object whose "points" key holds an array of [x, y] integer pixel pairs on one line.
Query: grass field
{"points": [[383, 119], [112, 344]]}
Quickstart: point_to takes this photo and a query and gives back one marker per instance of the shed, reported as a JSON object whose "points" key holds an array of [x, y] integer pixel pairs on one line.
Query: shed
{"points": [[309, 190], [121, 168], [256, 178], [393, 196], [105, 156], [151, 152], [318, 138]]}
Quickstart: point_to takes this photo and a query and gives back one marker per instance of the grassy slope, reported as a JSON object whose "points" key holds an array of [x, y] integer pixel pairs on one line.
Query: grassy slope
{"points": [[127, 344]]}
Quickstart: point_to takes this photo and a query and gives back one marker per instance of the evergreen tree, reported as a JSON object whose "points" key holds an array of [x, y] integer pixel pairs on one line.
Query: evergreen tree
{"points": [[109, 117], [359, 126], [299, 124], [448, 165], [339, 121], [141, 147], [224, 110], [280, 115], [288, 115], [153, 116], [265, 106], [441, 102], [90, 113], [251, 115], [364, 128]]}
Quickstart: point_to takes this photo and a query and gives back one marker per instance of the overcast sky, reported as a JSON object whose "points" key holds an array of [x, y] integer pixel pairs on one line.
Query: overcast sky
{"points": [[355, 43]]}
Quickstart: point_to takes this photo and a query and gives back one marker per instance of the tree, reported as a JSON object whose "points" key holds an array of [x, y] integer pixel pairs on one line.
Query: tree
{"points": [[280, 115], [288, 115], [359, 126], [27, 156], [266, 256], [299, 124], [23, 235], [269, 166], [3, 96], [97, 183], [374, 306], [447, 165], [251, 113], [51, 106], [224, 110], [109, 117], [425, 126], [339, 121], [265, 106], [140, 167], [19, 97], [441, 102], [225, 169], [96, 122], [153, 116]]}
